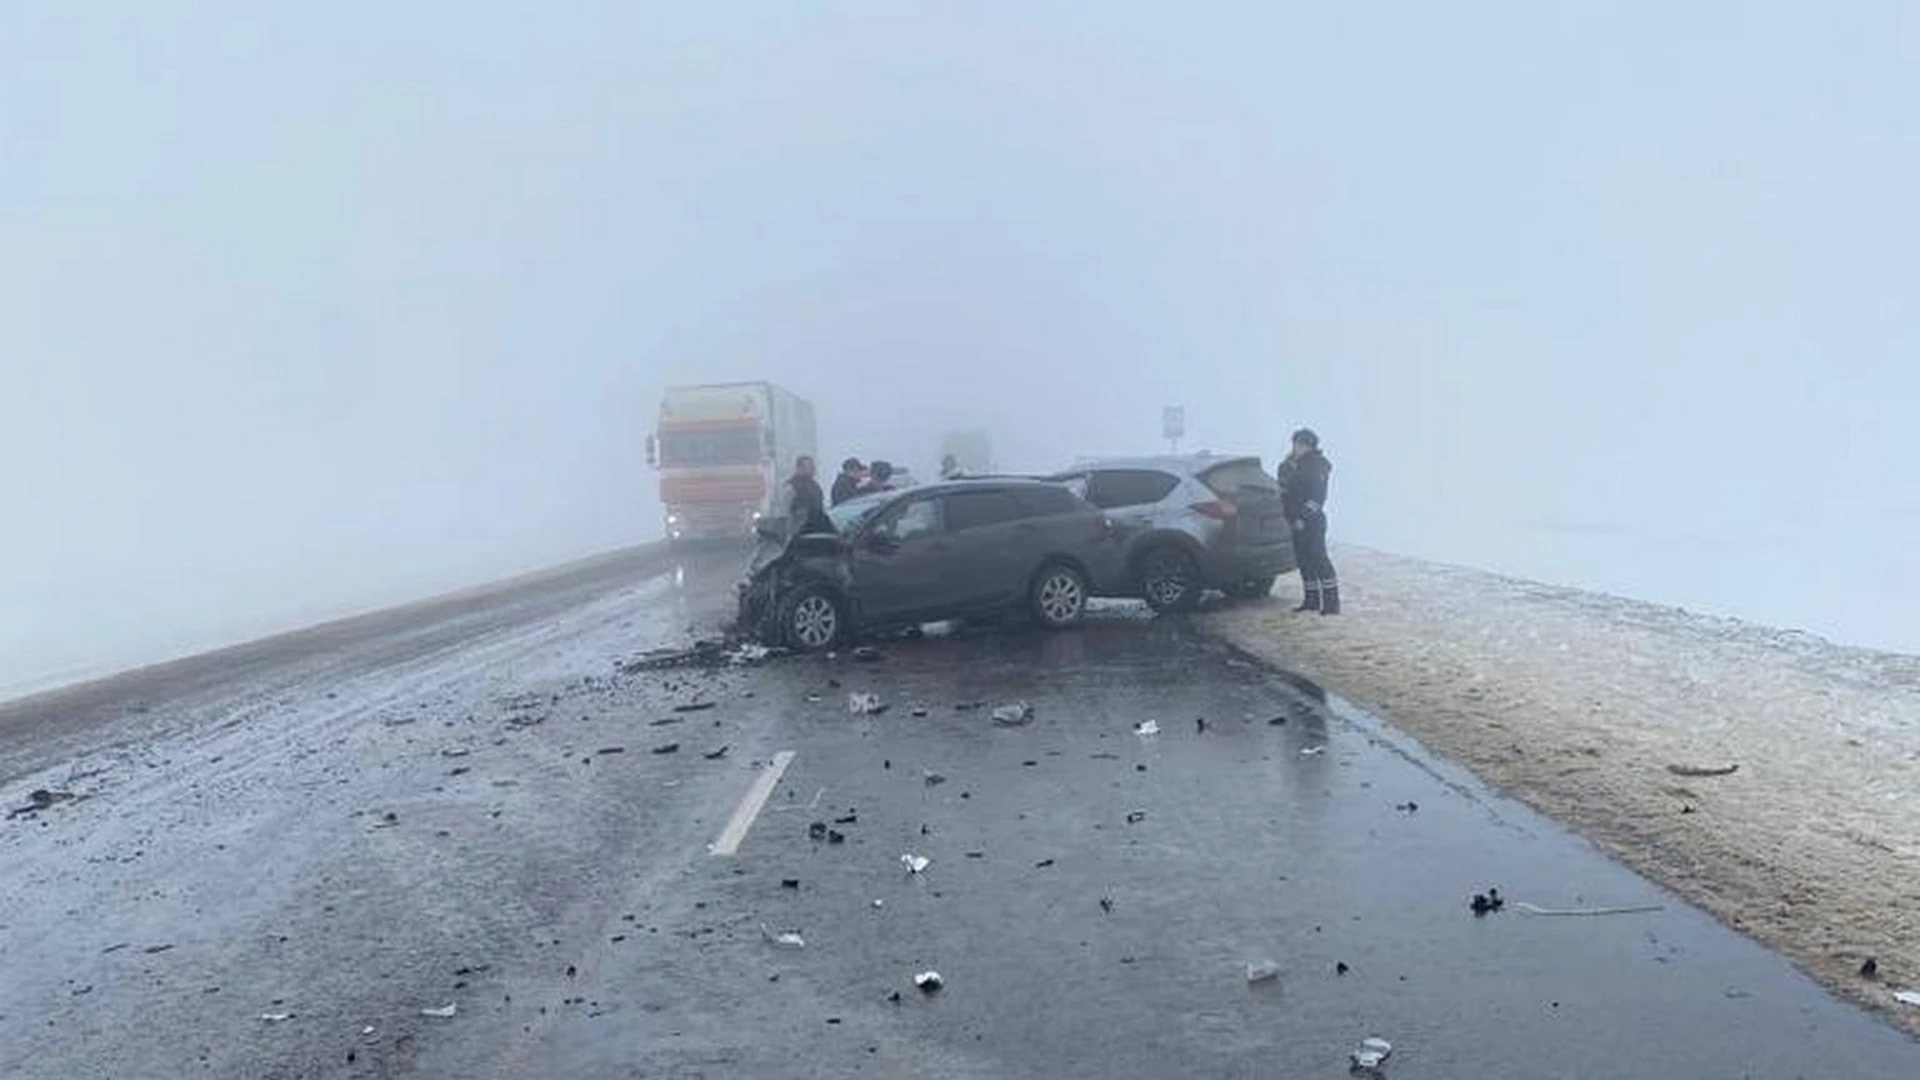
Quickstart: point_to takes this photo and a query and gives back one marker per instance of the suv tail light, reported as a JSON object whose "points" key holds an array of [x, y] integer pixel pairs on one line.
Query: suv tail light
{"points": [[1217, 509]]}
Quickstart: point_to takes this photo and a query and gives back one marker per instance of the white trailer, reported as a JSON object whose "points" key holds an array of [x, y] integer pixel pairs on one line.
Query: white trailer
{"points": [[724, 451]]}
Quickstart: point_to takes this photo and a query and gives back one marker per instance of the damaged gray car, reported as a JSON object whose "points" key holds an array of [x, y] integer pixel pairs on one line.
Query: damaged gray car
{"points": [[965, 549]]}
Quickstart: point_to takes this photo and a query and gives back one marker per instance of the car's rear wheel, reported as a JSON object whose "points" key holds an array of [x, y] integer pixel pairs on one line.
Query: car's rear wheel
{"points": [[1254, 588], [1169, 580], [812, 619], [1059, 596]]}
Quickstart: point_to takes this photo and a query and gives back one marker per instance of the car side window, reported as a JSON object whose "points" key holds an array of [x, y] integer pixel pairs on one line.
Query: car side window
{"points": [[1047, 501], [916, 518], [1111, 489], [978, 509]]}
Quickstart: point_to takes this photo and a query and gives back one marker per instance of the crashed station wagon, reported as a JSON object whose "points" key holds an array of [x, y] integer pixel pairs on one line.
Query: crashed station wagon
{"points": [[954, 550]]}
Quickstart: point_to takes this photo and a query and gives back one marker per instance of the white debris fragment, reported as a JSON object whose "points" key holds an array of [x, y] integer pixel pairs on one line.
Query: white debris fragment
{"points": [[1013, 715], [1372, 1054], [929, 981], [789, 939], [1312, 751], [1908, 997], [444, 1012], [879, 904], [1147, 727], [1259, 971], [915, 863], [864, 704], [367, 1031], [275, 1018]]}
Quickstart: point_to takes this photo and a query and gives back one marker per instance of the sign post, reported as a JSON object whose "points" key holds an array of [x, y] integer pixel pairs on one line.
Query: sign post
{"points": [[1173, 425]]}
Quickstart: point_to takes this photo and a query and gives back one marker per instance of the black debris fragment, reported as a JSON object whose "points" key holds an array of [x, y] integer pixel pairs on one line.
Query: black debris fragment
{"points": [[817, 831], [1199, 725], [868, 654], [665, 748], [153, 950], [695, 706], [1407, 807], [1135, 817], [934, 779], [572, 971], [1140, 768], [976, 854], [851, 818], [716, 755], [835, 836], [790, 883], [919, 711], [1341, 968], [969, 706], [39, 799], [1870, 968], [665, 722], [1043, 864], [613, 750], [1276, 721], [1106, 904], [894, 997], [459, 771], [1487, 902]]}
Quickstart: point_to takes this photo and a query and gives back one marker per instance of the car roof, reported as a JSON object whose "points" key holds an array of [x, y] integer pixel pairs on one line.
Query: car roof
{"points": [[1182, 464]]}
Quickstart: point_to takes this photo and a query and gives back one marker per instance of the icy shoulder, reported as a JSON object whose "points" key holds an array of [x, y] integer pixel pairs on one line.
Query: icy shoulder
{"points": [[1766, 774]]}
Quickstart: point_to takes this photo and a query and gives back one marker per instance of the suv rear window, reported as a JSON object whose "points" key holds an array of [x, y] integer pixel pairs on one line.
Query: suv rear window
{"points": [[1112, 488], [1240, 478], [977, 509]]}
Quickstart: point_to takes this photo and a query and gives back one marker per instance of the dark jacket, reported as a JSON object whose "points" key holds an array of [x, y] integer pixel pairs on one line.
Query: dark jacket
{"points": [[807, 506], [844, 487], [1303, 486]]}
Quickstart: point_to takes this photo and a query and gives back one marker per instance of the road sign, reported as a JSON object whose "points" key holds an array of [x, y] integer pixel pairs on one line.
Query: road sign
{"points": [[1173, 422]]}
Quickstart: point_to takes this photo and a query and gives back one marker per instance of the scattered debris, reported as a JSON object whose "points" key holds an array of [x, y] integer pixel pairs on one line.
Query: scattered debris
{"points": [[929, 982], [1013, 715], [1908, 997], [1260, 971], [934, 779], [1276, 721], [969, 706], [1043, 864], [847, 819], [665, 721], [155, 950], [868, 654], [716, 755], [1106, 904], [664, 748], [1703, 770], [39, 799], [817, 831], [1408, 807], [789, 939], [1488, 901], [790, 883], [455, 751], [1313, 751], [613, 750], [1870, 968], [865, 704], [1199, 725], [1135, 817], [695, 706], [748, 652], [835, 836], [1370, 1055], [918, 711], [1631, 909], [444, 1012], [276, 1018], [1147, 727], [915, 864], [1341, 968]]}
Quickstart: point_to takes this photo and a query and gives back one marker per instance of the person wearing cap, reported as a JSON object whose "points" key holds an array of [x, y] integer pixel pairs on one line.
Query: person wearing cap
{"points": [[1304, 477], [847, 484]]}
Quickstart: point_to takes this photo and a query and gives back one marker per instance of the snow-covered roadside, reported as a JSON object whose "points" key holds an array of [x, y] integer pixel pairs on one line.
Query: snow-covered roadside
{"points": [[1589, 707]]}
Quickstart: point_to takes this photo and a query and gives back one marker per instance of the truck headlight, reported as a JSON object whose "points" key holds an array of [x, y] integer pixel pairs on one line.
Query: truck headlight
{"points": [[673, 519]]}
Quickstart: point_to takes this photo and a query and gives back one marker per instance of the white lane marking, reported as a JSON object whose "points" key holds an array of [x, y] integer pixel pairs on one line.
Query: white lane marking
{"points": [[749, 807]]}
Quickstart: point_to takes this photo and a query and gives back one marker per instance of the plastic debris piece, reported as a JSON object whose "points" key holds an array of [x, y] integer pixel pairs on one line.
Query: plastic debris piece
{"points": [[934, 779], [817, 831], [1260, 971], [444, 1012], [915, 864], [275, 1018], [1703, 770], [1908, 997], [919, 711], [1870, 968], [865, 704], [787, 939], [1312, 751], [716, 755], [878, 904], [612, 750], [1486, 902], [664, 748], [1013, 715], [847, 819], [1106, 904], [790, 883], [929, 982], [1371, 1054], [835, 836], [1147, 727], [695, 706], [1199, 725], [455, 751]]}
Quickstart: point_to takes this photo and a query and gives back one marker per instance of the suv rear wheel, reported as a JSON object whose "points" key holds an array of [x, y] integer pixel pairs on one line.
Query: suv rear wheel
{"points": [[1170, 580], [812, 619], [1059, 596]]}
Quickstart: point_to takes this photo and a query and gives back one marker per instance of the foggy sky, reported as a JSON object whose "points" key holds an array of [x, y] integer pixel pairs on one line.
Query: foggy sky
{"points": [[309, 309]]}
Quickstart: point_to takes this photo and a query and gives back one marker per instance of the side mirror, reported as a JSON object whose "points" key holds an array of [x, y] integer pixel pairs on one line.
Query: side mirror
{"points": [[653, 452]]}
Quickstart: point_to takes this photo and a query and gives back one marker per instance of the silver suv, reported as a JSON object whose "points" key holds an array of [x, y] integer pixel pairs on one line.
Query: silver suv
{"points": [[1193, 522]]}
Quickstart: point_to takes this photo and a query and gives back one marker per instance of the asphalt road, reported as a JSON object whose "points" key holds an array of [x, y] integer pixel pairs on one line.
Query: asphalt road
{"points": [[276, 859]]}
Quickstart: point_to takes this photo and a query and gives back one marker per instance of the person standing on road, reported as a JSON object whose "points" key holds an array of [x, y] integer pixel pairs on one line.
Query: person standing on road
{"points": [[806, 503], [1304, 477], [852, 475], [879, 478]]}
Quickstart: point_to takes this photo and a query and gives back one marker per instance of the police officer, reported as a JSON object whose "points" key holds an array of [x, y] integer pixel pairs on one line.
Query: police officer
{"points": [[1303, 492]]}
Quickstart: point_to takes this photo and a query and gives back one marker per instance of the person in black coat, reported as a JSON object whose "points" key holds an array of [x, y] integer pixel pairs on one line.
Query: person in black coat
{"points": [[806, 503], [852, 475], [1304, 478]]}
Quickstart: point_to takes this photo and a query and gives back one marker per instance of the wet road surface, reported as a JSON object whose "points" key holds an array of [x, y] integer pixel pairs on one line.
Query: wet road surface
{"points": [[275, 871]]}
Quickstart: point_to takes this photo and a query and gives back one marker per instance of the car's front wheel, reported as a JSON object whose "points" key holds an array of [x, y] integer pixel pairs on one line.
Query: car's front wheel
{"points": [[1059, 596], [812, 619], [1169, 580]]}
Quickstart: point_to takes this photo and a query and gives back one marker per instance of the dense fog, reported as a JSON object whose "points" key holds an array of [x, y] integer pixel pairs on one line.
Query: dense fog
{"points": [[306, 309]]}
